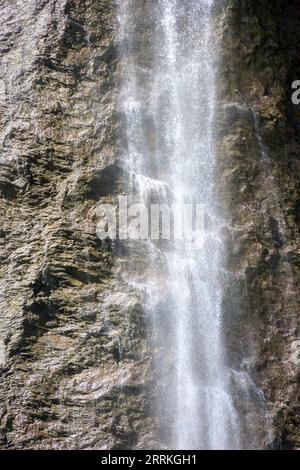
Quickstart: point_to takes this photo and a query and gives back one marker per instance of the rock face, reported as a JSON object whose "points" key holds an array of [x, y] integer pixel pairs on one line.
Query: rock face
{"points": [[73, 348], [74, 355], [259, 173]]}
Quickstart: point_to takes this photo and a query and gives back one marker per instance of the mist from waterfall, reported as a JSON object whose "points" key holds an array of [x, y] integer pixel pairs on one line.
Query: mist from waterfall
{"points": [[168, 97]]}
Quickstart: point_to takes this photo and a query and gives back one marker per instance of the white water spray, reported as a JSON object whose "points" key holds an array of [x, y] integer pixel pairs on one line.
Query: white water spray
{"points": [[168, 83]]}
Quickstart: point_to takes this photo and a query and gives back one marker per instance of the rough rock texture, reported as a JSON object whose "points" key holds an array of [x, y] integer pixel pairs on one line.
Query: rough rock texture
{"points": [[73, 352], [259, 144], [74, 355]]}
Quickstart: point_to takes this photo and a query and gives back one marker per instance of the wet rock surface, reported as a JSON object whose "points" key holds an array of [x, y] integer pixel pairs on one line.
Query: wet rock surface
{"points": [[74, 355], [259, 172], [73, 350]]}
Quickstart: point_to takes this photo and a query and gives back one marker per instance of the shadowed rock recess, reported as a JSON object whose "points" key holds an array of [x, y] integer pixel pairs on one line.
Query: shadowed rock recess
{"points": [[75, 359]]}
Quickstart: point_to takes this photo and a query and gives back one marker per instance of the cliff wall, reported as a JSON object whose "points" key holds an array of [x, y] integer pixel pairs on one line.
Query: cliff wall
{"points": [[74, 354], [260, 172]]}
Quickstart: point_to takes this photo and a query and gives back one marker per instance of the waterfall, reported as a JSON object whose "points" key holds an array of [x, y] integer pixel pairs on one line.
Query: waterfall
{"points": [[168, 98]]}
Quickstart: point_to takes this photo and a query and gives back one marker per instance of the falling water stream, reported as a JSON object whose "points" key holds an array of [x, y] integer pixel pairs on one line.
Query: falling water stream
{"points": [[168, 98]]}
